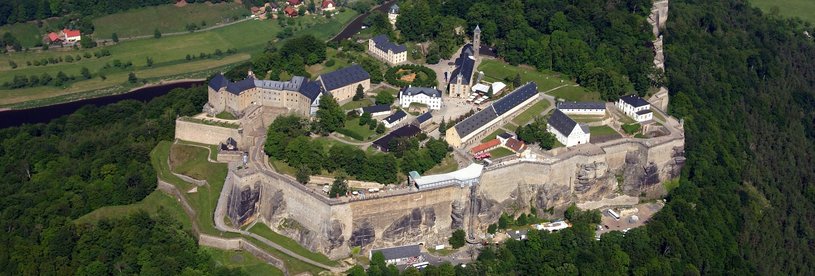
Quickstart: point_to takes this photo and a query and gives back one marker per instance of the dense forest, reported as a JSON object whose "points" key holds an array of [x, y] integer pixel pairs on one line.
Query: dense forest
{"points": [[745, 85], [604, 45], [98, 156], [13, 11]]}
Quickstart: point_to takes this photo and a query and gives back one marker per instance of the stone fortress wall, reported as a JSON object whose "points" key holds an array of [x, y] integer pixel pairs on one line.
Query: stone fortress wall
{"points": [[203, 133], [333, 226]]}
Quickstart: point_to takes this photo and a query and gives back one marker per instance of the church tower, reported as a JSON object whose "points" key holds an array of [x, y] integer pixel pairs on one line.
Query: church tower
{"points": [[476, 41]]}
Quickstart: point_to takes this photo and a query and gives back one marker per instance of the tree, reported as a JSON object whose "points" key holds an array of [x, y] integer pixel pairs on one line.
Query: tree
{"points": [[442, 127], [384, 97], [503, 221], [301, 11], [365, 118], [380, 128], [156, 34], [339, 187], [61, 78], [458, 239], [87, 42], [521, 220], [303, 174], [131, 77], [12, 64], [372, 124], [492, 228], [86, 73], [490, 92], [517, 80], [149, 62], [359, 94], [330, 116], [114, 37]]}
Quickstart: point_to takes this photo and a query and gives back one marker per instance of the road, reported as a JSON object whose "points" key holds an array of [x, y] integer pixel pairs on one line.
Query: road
{"points": [[353, 28]]}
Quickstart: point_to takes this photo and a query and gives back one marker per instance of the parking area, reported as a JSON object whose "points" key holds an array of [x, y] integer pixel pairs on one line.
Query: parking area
{"points": [[632, 217]]}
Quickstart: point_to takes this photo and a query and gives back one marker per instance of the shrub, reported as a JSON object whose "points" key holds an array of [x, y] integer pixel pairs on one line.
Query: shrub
{"points": [[351, 134], [425, 77], [330, 63], [631, 128]]}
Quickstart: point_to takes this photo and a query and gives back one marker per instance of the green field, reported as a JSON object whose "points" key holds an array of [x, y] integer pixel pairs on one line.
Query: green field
{"points": [[167, 18], [27, 33], [600, 131], [492, 135], [292, 245], [360, 130], [152, 204], [575, 93], [357, 104], [804, 9], [531, 112], [498, 71], [190, 161], [500, 152], [169, 61], [586, 118], [242, 259], [448, 164]]}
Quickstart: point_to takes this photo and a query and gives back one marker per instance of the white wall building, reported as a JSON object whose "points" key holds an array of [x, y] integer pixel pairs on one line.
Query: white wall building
{"points": [[567, 131], [431, 97], [382, 48], [582, 108], [635, 107], [394, 119]]}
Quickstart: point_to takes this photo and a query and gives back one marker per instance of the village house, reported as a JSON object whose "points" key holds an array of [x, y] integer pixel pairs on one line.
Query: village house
{"points": [[342, 83], [69, 36], [431, 97], [582, 108], [394, 119], [328, 5], [635, 107], [382, 48], [487, 120], [567, 131]]}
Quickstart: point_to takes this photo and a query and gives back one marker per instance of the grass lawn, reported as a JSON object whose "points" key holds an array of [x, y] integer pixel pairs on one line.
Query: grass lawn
{"points": [[226, 116], [322, 68], [500, 152], [190, 161], [575, 93], [498, 71], [281, 166], [167, 18], [243, 260], [357, 104], [586, 118], [393, 92], [169, 61], [492, 135], [805, 9], [448, 164], [531, 112], [600, 131], [264, 231], [361, 130], [152, 204]]}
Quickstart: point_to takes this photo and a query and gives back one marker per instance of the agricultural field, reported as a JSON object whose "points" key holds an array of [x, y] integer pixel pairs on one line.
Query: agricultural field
{"points": [[166, 18], [170, 61], [499, 71], [804, 9]]}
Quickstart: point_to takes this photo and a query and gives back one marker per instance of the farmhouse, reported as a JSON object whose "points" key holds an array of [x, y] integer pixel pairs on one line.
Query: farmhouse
{"points": [[402, 255], [567, 131], [431, 97], [394, 119], [291, 12], [461, 79], [635, 107], [382, 48], [299, 95], [376, 110], [515, 145], [342, 84], [582, 108], [51, 38], [474, 127], [69, 36], [328, 5]]}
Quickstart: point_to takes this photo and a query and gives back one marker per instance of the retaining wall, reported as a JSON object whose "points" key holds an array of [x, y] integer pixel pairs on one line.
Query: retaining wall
{"points": [[203, 133]]}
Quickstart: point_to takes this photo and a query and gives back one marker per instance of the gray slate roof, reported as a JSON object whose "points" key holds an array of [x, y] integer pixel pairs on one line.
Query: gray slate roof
{"points": [[581, 105], [217, 82], [394, 9], [478, 119], [400, 252], [395, 117], [645, 111], [561, 122], [634, 100], [310, 89], [343, 77], [376, 108], [505, 135], [424, 117], [413, 90], [515, 98], [464, 65], [383, 43]]}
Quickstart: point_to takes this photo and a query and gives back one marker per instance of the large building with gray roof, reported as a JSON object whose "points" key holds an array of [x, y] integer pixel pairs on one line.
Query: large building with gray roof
{"points": [[382, 48], [300, 95], [492, 117], [429, 96], [461, 79], [343, 83], [567, 131]]}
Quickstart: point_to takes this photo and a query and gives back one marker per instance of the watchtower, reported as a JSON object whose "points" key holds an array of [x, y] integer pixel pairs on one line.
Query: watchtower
{"points": [[476, 41]]}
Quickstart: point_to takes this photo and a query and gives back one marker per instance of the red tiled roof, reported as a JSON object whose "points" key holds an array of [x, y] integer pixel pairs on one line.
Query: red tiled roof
{"points": [[70, 33], [255, 9], [326, 2], [515, 145], [290, 11], [295, 2], [52, 36], [485, 146]]}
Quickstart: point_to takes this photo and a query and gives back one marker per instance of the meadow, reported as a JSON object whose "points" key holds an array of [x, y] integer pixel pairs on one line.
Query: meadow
{"points": [[166, 18], [804, 9]]}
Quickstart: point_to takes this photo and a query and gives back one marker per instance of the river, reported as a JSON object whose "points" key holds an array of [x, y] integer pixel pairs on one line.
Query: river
{"points": [[47, 113], [355, 26]]}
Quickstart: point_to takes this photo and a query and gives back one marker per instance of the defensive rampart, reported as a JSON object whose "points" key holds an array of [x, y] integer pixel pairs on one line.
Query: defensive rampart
{"points": [[204, 133]]}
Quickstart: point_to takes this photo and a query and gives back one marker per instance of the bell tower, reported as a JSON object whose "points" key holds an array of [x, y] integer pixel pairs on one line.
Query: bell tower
{"points": [[476, 41]]}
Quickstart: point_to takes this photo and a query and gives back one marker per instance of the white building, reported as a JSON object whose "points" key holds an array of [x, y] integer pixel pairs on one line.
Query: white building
{"points": [[409, 254], [393, 13], [635, 107], [376, 110], [464, 177], [567, 131], [394, 119], [431, 97], [382, 48], [70, 36], [582, 108], [483, 88]]}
